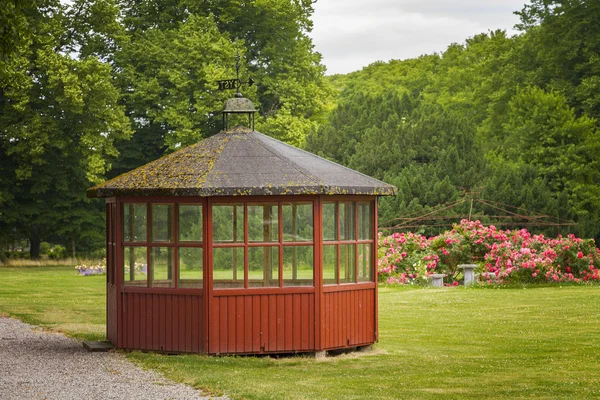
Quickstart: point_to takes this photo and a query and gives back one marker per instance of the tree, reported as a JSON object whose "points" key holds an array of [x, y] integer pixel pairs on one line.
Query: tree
{"points": [[271, 35], [562, 50], [542, 130], [59, 119]]}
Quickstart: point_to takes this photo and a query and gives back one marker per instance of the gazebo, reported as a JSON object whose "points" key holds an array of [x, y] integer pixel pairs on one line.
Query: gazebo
{"points": [[241, 244]]}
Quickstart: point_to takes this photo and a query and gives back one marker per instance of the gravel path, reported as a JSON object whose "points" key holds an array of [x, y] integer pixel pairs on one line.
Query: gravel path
{"points": [[42, 365]]}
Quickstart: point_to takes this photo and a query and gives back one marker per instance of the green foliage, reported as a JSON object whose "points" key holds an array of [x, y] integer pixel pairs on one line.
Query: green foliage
{"points": [[170, 79], [57, 252], [513, 119], [59, 119], [174, 52]]}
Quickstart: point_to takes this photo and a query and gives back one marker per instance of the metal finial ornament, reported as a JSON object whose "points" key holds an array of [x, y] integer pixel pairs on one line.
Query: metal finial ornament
{"points": [[228, 84], [239, 104]]}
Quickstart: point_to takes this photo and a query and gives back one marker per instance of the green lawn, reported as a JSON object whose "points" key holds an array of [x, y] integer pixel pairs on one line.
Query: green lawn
{"points": [[537, 342], [55, 298]]}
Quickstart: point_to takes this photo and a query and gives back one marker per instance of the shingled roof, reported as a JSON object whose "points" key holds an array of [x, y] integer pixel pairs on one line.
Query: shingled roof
{"points": [[240, 162]]}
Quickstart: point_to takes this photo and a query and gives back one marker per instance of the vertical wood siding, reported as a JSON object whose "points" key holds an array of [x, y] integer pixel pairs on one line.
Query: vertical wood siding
{"points": [[162, 322], [349, 318], [111, 313], [262, 323]]}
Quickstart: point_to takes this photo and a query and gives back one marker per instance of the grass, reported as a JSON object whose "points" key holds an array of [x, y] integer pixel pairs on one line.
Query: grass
{"points": [[531, 342], [55, 298], [21, 262]]}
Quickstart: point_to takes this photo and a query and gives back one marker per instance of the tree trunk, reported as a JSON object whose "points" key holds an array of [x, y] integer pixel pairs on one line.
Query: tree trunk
{"points": [[73, 245], [34, 243], [34, 250]]}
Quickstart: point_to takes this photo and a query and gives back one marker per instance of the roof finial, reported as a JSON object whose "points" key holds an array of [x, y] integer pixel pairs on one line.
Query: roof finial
{"points": [[239, 104], [237, 73], [235, 83]]}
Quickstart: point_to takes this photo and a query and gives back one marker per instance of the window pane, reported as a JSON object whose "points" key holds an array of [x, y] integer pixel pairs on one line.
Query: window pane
{"points": [[162, 222], [347, 222], [298, 266], [190, 223], [228, 267], [190, 267], [365, 227], [297, 222], [134, 222], [330, 262], [365, 264], [263, 223], [228, 223], [263, 266], [161, 259], [347, 263], [135, 266], [330, 221]]}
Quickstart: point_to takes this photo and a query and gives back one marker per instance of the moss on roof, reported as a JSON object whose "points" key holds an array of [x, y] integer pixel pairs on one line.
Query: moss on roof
{"points": [[240, 162]]}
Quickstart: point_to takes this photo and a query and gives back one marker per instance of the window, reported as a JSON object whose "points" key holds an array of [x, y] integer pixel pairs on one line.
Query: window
{"points": [[262, 245], [347, 242], [162, 245]]}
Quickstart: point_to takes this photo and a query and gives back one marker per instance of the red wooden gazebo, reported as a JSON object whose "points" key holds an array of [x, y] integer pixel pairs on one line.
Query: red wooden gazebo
{"points": [[241, 244]]}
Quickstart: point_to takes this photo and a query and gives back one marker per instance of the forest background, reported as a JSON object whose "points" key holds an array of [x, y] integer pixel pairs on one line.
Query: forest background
{"points": [[93, 89]]}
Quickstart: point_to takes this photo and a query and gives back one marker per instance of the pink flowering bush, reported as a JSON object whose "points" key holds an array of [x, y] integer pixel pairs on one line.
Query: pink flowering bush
{"points": [[503, 256], [401, 258]]}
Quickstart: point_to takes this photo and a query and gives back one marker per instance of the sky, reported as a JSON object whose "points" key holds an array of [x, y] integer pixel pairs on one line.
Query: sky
{"points": [[351, 34]]}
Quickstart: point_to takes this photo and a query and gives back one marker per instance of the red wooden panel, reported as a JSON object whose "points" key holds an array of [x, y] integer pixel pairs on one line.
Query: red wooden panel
{"points": [[168, 322], [214, 325], [288, 319], [143, 318], [174, 321], [256, 324], [296, 317], [343, 325], [183, 323], [272, 317], [312, 322], [136, 321], [231, 324], [336, 318], [156, 322], [195, 328], [161, 324], [304, 321], [331, 319], [280, 322], [264, 324], [340, 320], [326, 323], [149, 319], [240, 330], [339, 339], [365, 316], [351, 315], [222, 318], [350, 309], [249, 317], [371, 313]]}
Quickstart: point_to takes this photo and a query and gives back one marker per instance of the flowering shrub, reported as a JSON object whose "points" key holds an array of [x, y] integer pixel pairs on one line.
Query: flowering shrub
{"points": [[87, 270], [502, 256]]}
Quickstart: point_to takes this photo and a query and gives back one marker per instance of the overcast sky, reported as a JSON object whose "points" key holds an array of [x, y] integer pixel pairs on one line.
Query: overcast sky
{"points": [[351, 34]]}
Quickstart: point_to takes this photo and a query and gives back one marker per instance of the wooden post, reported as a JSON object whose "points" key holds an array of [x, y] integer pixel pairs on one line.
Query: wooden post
{"points": [[294, 266], [131, 251], [234, 260]]}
